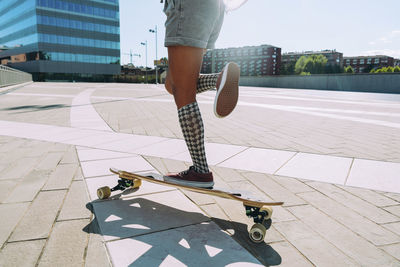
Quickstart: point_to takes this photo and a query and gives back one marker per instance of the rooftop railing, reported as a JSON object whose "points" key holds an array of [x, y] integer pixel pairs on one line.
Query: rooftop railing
{"points": [[10, 76]]}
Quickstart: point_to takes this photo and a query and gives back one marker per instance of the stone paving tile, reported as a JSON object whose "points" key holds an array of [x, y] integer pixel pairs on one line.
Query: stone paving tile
{"points": [[364, 208], [21, 254], [101, 167], [216, 153], [375, 175], [28, 187], [315, 248], [394, 227], [74, 206], [70, 157], [78, 175], [61, 177], [66, 244], [317, 167], [289, 256], [59, 147], [357, 248], [395, 196], [19, 169], [274, 159], [145, 214], [50, 161], [394, 210], [274, 189], [97, 154], [38, 220], [187, 246], [227, 174], [6, 187], [12, 145], [14, 212], [292, 184], [96, 255], [367, 229], [393, 250], [372, 197]]}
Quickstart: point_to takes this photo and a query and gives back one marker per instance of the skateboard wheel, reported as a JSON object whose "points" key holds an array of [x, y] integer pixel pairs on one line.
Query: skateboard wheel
{"points": [[103, 192], [257, 233], [136, 183], [268, 211]]}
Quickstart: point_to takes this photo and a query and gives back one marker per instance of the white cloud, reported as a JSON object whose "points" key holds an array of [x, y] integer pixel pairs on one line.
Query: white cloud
{"points": [[388, 38]]}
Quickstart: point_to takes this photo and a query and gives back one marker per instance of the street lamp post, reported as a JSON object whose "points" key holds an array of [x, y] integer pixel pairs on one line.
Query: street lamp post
{"points": [[155, 32], [145, 44]]}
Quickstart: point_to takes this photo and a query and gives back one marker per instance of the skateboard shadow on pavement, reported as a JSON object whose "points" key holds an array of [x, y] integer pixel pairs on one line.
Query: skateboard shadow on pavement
{"points": [[140, 222]]}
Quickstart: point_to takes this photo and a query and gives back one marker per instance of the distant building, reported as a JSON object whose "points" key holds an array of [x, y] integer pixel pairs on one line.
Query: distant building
{"points": [[363, 64], [396, 62], [61, 39], [253, 60], [334, 58]]}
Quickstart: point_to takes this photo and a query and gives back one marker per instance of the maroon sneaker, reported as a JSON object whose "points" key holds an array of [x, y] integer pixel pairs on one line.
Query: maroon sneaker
{"points": [[227, 90], [191, 178]]}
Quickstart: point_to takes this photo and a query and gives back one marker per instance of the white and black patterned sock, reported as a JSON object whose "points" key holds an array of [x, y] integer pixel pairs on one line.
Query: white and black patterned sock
{"points": [[206, 82], [193, 132]]}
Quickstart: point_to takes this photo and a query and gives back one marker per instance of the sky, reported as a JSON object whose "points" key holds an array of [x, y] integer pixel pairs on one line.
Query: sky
{"points": [[352, 27]]}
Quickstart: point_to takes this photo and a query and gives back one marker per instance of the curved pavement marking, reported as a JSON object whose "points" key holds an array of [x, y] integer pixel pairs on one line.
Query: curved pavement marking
{"points": [[83, 114]]}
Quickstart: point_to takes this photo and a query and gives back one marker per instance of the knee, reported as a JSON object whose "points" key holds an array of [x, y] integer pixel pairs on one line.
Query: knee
{"points": [[168, 85]]}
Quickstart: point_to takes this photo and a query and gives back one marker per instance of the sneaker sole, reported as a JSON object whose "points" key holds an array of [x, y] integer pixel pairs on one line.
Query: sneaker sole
{"points": [[228, 93], [208, 185]]}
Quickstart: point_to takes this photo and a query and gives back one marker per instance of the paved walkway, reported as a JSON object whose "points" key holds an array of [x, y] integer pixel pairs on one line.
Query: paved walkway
{"points": [[333, 158]]}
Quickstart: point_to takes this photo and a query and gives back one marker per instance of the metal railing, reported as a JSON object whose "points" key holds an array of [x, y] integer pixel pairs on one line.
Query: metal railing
{"points": [[10, 76]]}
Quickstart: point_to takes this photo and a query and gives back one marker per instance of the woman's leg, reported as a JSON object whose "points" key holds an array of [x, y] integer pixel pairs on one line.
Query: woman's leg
{"points": [[184, 68]]}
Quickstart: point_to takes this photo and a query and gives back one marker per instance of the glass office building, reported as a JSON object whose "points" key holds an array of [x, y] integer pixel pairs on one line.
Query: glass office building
{"points": [[61, 39]]}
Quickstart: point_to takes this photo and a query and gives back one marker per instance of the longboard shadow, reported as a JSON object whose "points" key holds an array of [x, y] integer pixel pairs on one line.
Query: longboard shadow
{"points": [[263, 252]]}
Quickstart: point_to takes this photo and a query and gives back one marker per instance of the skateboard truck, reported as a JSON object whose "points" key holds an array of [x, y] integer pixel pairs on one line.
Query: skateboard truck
{"points": [[261, 216], [105, 192]]}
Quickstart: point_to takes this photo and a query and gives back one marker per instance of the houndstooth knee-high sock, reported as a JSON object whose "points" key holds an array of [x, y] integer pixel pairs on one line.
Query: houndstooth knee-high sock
{"points": [[193, 132], [206, 82]]}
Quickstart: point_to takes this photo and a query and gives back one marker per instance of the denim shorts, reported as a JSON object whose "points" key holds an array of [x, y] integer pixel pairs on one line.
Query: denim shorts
{"points": [[195, 23]]}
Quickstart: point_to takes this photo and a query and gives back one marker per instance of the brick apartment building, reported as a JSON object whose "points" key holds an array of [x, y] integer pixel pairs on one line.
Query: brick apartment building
{"points": [[363, 64], [334, 58], [253, 60]]}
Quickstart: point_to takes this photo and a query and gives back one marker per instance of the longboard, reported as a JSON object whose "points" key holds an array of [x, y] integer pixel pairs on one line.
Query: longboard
{"points": [[259, 210]]}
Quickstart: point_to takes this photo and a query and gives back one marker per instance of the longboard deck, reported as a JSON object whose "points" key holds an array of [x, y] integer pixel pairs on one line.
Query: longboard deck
{"points": [[246, 200]]}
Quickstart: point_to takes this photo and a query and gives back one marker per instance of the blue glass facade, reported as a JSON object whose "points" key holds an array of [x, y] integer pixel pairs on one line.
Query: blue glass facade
{"points": [[61, 36]]}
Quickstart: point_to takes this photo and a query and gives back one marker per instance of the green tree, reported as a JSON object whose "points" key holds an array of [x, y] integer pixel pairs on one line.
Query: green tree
{"points": [[348, 69], [396, 69], [389, 69], [314, 64], [300, 65]]}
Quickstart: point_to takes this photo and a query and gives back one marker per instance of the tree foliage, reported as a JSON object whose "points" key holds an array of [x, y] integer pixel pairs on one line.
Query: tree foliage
{"points": [[389, 69], [314, 64], [348, 69]]}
